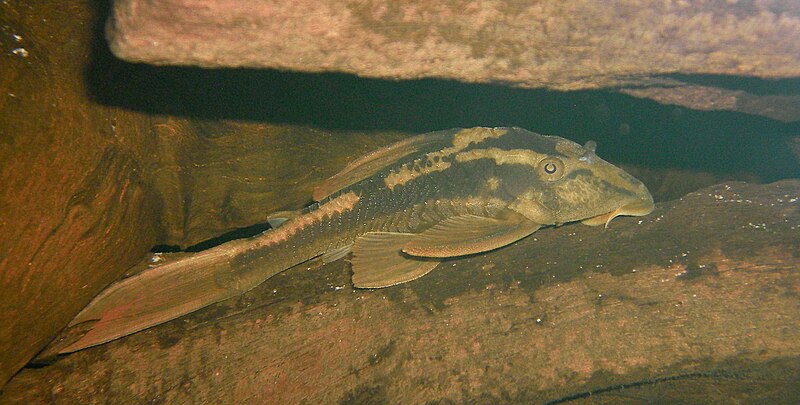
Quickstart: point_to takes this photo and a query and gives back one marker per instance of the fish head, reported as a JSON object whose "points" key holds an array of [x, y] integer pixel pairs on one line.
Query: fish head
{"points": [[571, 183]]}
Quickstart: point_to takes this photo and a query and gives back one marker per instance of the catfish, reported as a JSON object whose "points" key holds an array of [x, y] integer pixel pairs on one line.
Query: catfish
{"points": [[397, 212]]}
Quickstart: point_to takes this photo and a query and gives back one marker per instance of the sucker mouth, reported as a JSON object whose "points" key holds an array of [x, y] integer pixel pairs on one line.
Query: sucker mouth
{"points": [[637, 208]]}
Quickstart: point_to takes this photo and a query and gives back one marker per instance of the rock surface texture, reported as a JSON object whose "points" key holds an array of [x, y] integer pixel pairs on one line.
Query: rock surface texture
{"points": [[564, 45], [71, 176]]}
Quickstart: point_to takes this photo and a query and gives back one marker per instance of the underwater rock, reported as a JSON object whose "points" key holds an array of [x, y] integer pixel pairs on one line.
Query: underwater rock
{"points": [[215, 177], [565, 45], [778, 107], [701, 293], [70, 178]]}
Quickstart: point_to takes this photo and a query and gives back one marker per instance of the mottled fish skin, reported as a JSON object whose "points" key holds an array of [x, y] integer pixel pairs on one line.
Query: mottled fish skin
{"points": [[406, 205]]}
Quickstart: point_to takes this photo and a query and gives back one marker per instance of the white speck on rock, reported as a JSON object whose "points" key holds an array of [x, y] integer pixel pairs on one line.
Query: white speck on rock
{"points": [[20, 52]]}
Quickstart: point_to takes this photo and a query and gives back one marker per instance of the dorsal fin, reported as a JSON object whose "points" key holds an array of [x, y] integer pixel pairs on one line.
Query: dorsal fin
{"points": [[370, 164], [277, 219]]}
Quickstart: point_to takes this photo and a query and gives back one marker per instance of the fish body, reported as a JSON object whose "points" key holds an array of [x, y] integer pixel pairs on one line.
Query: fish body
{"points": [[400, 211]]}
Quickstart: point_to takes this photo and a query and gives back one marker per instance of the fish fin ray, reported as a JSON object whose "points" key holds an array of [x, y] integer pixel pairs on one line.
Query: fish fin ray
{"points": [[277, 219], [150, 298], [336, 254], [378, 262], [469, 234], [370, 164]]}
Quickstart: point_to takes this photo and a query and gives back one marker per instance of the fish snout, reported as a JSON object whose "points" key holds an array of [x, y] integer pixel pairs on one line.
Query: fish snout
{"points": [[636, 207], [641, 200]]}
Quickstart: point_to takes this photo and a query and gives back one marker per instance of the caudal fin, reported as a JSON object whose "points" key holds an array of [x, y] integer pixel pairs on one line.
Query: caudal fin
{"points": [[153, 297]]}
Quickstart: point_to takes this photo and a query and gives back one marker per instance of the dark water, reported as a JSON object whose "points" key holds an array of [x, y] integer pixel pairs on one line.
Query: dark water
{"points": [[627, 129]]}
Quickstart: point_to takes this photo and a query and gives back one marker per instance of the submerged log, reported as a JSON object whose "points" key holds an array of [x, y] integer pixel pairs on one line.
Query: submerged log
{"points": [[698, 300]]}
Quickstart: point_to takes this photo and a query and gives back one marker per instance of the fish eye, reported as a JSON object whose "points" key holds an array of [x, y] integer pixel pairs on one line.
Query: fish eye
{"points": [[551, 168]]}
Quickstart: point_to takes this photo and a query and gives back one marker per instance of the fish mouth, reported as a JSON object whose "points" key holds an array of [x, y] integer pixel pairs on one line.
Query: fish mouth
{"points": [[636, 208]]}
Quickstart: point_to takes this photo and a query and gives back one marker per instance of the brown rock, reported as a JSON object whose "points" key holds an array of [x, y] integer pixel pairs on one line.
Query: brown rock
{"points": [[216, 176], [778, 107], [70, 181], [696, 302], [565, 45], [670, 184]]}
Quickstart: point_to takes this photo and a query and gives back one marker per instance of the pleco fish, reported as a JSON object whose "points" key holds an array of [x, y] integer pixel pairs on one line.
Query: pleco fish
{"points": [[399, 210]]}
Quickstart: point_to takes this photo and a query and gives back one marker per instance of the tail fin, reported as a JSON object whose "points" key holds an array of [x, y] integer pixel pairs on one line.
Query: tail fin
{"points": [[155, 296]]}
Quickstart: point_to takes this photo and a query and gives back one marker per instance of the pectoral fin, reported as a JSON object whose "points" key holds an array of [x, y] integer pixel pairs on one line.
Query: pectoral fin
{"points": [[379, 262], [470, 234]]}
